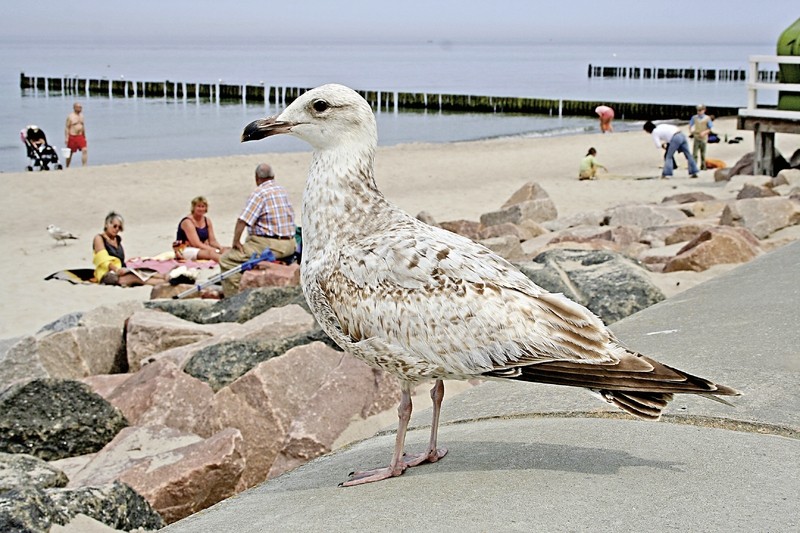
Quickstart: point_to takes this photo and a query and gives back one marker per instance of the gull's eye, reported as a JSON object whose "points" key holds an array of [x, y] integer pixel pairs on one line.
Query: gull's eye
{"points": [[320, 106]]}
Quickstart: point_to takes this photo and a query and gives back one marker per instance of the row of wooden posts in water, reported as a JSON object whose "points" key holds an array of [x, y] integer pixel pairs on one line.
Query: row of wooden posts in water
{"points": [[380, 100], [660, 73]]}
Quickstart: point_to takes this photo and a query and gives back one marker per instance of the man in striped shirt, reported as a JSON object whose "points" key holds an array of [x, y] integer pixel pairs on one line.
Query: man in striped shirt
{"points": [[269, 218]]}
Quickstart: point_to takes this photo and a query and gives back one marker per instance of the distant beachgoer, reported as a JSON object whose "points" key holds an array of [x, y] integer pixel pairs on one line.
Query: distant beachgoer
{"points": [[269, 218], [700, 127], [589, 166], [196, 234], [606, 115], [109, 257], [75, 134], [670, 137]]}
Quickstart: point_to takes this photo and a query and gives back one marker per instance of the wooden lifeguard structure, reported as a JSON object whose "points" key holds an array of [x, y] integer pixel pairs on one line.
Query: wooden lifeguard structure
{"points": [[765, 122]]}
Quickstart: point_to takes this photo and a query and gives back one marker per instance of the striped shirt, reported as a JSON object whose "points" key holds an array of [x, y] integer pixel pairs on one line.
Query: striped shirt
{"points": [[268, 211]]}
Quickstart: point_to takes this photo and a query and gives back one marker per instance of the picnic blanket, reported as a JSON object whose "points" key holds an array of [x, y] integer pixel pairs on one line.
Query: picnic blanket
{"points": [[164, 266]]}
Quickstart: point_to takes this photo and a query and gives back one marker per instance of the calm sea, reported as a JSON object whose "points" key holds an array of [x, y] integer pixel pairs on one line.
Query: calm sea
{"points": [[136, 129]]}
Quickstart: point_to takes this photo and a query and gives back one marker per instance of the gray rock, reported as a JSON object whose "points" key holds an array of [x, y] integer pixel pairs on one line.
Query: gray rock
{"points": [[22, 470], [116, 505], [221, 364], [611, 285], [35, 510], [644, 215], [539, 210], [52, 419], [239, 308], [18, 361], [65, 322]]}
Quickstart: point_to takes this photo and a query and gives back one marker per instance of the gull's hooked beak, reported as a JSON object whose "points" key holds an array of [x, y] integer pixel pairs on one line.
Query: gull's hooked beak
{"points": [[264, 127]]}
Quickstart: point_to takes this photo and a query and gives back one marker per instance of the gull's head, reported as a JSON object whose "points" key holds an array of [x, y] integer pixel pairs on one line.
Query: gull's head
{"points": [[327, 117], [51, 228]]}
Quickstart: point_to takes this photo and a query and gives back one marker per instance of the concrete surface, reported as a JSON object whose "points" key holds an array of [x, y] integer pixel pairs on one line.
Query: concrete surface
{"points": [[529, 457]]}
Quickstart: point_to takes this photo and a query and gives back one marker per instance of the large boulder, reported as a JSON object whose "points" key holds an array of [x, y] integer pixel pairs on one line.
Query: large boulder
{"points": [[19, 361], [466, 228], [32, 509], [505, 246], [178, 473], [52, 419], [762, 216], [611, 285], [526, 193], [152, 331], [539, 210], [715, 246], [160, 393], [23, 470], [238, 308], [268, 274], [263, 403], [644, 216]]}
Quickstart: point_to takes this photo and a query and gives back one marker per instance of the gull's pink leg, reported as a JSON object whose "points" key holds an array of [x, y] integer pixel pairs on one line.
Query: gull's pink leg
{"points": [[432, 454], [397, 465]]}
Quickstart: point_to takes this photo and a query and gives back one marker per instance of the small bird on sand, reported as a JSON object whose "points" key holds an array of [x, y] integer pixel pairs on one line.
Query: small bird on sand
{"points": [[59, 234], [426, 304]]}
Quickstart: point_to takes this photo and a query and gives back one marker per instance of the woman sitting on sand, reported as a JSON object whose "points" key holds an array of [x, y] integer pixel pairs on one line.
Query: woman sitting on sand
{"points": [[196, 234], [109, 257]]}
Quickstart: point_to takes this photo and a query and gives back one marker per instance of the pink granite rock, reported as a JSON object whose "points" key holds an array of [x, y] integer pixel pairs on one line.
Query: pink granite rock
{"points": [[271, 275], [715, 246], [466, 228], [762, 216], [529, 191]]}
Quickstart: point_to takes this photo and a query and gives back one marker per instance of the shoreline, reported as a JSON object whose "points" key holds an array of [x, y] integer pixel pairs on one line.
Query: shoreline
{"points": [[459, 180]]}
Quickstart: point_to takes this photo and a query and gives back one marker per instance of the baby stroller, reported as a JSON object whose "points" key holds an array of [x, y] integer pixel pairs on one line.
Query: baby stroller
{"points": [[42, 156]]}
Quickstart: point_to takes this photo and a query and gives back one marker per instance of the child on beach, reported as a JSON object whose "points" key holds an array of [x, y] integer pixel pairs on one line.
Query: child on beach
{"points": [[589, 166]]}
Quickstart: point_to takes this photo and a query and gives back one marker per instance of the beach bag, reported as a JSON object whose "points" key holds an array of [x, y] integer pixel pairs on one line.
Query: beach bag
{"points": [[713, 138]]}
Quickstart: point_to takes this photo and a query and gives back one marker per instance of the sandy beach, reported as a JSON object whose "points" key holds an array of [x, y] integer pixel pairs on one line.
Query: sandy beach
{"points": [[450, 181]]}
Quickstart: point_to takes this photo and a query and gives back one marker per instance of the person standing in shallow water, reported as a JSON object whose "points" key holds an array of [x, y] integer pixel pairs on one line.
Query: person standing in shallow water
{"points": [[75, 134]]}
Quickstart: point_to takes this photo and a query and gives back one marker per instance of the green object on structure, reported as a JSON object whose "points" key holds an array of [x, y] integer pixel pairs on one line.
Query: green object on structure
{"points": [[789, 45]]}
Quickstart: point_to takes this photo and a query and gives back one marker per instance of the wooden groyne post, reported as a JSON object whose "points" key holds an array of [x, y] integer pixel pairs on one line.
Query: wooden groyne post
{"points": [[692, 73], [380, 100]]}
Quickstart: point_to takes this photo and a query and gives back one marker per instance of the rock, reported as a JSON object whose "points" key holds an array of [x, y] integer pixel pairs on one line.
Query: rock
{"points": [[22, 470], [116, 504], [220, 364], [19, 361], [273, 324], [529, 191], [507, 229], [178, 473], [534, 229], [263, 403], [239, 308], [790, 176], [590, 218], [152, 331], [536, 210], [506, 246], [271, 275], [687, 198], [762, 216], [746, 165], [160, 393], [709, 209], [722, 174], [738, 182], [37, 510], [340, 396], [714, 246], [755, 191], [52, 419], [644, 215], [466, 228], [105, 384], [659, 236], [609, 284], [167, 291], [427, 218], [67, 321]]}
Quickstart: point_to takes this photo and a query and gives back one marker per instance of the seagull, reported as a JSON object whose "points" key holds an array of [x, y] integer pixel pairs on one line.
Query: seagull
{"points": [[426, 304], [59, 234]]}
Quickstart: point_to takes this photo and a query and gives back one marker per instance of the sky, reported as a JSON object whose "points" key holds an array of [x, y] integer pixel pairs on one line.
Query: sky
{"points": [[264, 21]]}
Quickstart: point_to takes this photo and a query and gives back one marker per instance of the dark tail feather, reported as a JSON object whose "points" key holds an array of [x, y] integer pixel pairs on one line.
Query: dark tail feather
{"points": [[636, 384]]}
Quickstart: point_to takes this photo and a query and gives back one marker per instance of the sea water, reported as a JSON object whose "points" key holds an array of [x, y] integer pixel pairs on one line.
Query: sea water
{"points": [[136, 129]]}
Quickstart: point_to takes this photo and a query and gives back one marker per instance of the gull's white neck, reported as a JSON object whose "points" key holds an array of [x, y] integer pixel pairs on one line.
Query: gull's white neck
{"points": [[340, 196]]}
